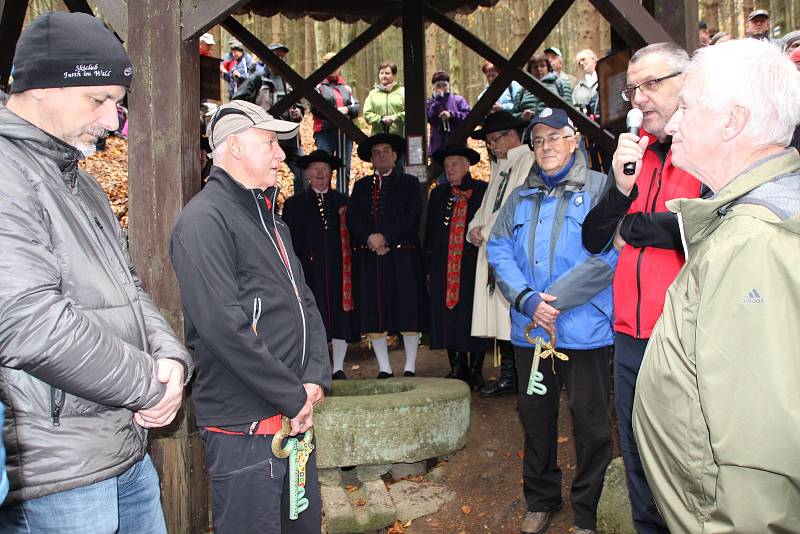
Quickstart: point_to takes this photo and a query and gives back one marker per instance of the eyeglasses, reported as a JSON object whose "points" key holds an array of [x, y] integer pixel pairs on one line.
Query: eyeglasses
{"points": [[539, 142], [648, 87], [493, 141]]}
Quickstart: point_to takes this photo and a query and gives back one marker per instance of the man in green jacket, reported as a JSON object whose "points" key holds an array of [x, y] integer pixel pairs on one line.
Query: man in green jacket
{"points": [[385, 107], [716, 414]]}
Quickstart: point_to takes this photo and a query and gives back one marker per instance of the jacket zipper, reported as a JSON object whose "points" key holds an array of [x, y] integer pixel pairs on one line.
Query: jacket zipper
{"points": [[641, 251], [288, 270], [57, 397]]}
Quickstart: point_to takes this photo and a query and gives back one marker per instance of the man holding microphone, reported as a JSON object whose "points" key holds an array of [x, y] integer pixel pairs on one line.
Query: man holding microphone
{"points": [[633, 217]]}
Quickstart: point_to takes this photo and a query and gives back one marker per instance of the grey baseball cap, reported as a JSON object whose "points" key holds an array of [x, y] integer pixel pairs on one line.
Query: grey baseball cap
{"points": [[758, 13], [240, 115]]}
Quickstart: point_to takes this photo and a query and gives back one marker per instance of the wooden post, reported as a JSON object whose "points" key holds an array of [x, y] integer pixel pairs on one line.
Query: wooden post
{"points": [[413, 25], [679, 19], [12, 15], [164, 171]]}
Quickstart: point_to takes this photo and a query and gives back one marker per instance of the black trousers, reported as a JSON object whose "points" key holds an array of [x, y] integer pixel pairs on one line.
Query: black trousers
{"points": [[250, 487], [587, 379]]}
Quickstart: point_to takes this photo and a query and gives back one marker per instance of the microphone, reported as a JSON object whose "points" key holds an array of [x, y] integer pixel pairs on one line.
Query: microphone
{"points": [[633, 121]]}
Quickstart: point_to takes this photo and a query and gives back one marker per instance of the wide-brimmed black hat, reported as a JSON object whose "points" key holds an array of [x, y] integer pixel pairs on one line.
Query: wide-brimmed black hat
{"points": [[498, 121], [319, 155], [397, 143], [440, 155]]}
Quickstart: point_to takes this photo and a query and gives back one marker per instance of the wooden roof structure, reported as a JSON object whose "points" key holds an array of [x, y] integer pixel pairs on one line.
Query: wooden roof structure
{"points": [[164, 133]]}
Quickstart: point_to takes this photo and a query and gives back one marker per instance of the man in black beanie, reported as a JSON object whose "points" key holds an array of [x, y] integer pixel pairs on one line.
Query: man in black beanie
{"points": [[87, 363]]}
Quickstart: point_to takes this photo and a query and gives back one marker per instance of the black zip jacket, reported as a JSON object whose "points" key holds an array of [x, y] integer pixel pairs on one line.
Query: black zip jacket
{"points": [[639, 229], [252, 322]]}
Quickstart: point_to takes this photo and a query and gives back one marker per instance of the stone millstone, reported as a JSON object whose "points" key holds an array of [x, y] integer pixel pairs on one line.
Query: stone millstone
{"points": [[416, 499], [400, 420]]}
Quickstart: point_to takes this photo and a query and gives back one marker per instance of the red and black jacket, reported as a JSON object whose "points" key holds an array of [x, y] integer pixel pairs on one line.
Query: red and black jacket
{"points": [[653, 255]]}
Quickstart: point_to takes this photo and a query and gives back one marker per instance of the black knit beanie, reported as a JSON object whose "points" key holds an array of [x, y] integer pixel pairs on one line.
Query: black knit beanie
{"points": [[69, 50]]}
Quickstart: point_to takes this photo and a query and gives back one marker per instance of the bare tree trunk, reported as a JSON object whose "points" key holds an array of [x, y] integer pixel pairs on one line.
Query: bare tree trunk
{"points": [[588, 32], [431, 44], [519, 24], [310, 46]]}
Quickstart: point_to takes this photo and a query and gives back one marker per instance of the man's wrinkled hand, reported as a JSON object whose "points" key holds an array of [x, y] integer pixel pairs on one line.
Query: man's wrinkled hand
{"points": [[545, 314], [169, 372], [475, 236], [376, 242], [315, 393], [303, 420]]}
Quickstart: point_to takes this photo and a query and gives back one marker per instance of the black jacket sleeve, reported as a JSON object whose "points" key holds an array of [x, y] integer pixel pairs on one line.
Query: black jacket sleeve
{"points": [[660, 230], [601, 222], [249, 89], [358, 214], [203, 256]]}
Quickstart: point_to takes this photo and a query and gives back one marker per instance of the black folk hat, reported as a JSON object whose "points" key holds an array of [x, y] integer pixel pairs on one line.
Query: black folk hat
{"points": [[440, 155], [397, 143], [319, 155], [497, 122]]}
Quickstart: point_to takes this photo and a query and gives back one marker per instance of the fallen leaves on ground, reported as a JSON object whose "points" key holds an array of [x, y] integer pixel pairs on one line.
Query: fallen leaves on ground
{"points": [[521, 454], [361, 502], [466, 510], [563, 439], [350, 488]]}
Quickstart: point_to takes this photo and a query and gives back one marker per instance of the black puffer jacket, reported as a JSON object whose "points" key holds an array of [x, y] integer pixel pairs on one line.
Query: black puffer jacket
{"points": [[78, 334]]}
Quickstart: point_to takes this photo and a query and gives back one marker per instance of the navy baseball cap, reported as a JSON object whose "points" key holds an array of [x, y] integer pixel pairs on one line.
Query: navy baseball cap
{"points": [[553, 117]]}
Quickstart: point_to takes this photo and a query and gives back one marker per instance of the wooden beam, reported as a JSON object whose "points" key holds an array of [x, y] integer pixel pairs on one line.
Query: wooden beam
{"points": [[116, 13], [532, 41], [632, 22], [199, 15], [320, 105], [352, 48], [164, 173], [588, 127], [413, 27], [679, 20], [12, 16], [79, 6]]}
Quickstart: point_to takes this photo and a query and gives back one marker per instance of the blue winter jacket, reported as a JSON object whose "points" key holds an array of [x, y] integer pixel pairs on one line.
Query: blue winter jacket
{"points": [[535, 246]]}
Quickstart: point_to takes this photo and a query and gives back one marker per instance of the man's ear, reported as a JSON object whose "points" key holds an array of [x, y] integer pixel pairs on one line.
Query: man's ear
{"points": [[236, 147], [738, 118], [38, 94]]}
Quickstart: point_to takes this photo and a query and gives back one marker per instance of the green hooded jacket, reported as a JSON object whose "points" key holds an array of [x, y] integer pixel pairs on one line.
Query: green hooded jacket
{"points": [[717, 408], [383, 103]]}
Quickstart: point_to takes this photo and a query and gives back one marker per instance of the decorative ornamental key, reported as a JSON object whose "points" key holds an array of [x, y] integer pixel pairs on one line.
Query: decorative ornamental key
{"points": [[535, 381], [298, 451]]}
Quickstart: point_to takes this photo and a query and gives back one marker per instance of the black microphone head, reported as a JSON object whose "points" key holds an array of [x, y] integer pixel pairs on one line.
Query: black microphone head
{"points": [[634, 118]]}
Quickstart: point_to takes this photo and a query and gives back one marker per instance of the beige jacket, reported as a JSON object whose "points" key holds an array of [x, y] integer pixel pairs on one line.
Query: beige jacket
{"points": [[490, 311], [717, 407]]}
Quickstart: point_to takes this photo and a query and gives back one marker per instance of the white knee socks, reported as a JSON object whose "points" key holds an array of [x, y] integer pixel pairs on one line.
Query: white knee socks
{"points": [[339, 352], [411, 342]]}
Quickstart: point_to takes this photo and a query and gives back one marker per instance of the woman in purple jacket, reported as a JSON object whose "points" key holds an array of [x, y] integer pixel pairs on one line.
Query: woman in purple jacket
{"points": [[446, 111]]}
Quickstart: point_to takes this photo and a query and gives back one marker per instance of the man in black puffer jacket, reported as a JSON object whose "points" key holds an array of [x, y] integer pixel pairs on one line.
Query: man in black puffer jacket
{"points": [[87, 363]]}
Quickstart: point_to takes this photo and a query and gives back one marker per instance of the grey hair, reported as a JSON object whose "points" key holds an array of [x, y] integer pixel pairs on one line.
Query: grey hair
{"points": [[752, 74], [672, 53], [788, 39], [218, 155]]}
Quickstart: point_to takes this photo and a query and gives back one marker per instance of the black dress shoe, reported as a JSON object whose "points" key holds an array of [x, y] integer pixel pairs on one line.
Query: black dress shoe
{"points": [[501, 387], [384, 374], [339, 375], [409, 373]]}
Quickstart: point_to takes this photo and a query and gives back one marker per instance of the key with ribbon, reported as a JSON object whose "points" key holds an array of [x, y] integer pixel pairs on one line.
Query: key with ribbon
{"points": [[298, 451], [541, 350]]}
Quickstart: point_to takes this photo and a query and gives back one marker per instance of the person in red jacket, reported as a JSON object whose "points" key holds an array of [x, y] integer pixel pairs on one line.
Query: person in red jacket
{"points": [[633, 217]]}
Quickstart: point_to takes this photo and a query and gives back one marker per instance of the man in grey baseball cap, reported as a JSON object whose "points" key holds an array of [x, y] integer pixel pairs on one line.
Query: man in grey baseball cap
{"points": [[259, 340]]}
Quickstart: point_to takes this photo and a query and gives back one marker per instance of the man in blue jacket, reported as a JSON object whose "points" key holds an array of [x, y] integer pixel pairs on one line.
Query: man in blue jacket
{"points": [[552, 282]]}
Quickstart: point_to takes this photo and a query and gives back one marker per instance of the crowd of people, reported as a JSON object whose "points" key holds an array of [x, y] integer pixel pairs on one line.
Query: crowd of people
{"points": [[677, 267]]}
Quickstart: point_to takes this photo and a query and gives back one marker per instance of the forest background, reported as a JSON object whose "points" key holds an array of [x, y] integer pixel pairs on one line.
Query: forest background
{"points": [[502, 26]]}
